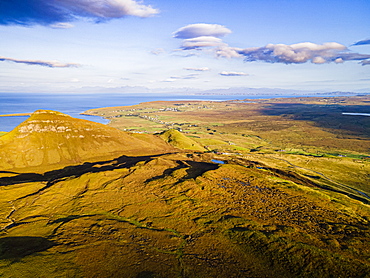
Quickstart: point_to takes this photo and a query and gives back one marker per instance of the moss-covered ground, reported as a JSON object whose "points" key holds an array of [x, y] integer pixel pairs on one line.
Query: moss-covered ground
{"points": [[305, 134], [178, 215], [269, 188]]}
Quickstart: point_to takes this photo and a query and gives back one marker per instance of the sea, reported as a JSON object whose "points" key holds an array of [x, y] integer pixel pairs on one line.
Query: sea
{"points": [[74, 104]]}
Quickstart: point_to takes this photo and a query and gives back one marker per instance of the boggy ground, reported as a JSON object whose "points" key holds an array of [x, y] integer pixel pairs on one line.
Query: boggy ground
{"points": [[179, 215], [309, 135]]}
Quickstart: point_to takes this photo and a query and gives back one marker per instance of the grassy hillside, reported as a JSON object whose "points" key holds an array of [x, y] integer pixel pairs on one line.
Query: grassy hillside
{"points": [[106, 203], [178, 216], [308, 135], [51, 139], [179, 140]]}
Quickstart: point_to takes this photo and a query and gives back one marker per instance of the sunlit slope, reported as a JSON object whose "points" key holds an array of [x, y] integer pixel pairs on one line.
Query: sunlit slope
{"points": [[179, 140], [177, 215], [87, 200], [53, 138]]}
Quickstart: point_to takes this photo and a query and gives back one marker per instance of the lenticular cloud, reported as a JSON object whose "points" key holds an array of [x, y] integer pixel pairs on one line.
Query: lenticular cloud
{"points": [[200, 35], [200, 30], [199, 42], [53, 12]]}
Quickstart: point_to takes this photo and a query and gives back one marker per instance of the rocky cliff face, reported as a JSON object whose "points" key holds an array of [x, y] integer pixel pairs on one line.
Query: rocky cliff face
{"points": [[49, 138]]}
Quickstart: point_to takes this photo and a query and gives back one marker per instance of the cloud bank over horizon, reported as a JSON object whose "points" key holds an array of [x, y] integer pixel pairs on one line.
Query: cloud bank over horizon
{"points": [[49, 64], [203, 36], [57, 13]]}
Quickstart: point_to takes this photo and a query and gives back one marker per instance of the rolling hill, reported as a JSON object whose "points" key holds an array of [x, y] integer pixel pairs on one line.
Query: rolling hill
{"points": [[51, 139], [79, 199], [179, 140]]}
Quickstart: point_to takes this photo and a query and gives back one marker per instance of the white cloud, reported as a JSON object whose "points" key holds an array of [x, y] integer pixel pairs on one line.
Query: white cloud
{"points": [[175, 78], [202, 35], [318, 60], [189, 76], [199, 42], [158, 51], [228, 51], [167, 80], [301, 53], [57, 13], [233, 73], [50, 64], [207, 36], [198, 69], [61, 25], [200, 30], [108, 8]]}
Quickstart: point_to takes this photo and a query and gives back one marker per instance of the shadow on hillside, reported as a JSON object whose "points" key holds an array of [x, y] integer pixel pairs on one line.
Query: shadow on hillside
{"points": [[15, 248], [75, 171], [194, 169], [326, 116], [199, 168], [146, 274]]}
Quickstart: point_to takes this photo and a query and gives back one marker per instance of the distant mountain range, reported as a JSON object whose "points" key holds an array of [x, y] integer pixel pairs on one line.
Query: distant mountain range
{"points": [[223, 91], [189, 90]]}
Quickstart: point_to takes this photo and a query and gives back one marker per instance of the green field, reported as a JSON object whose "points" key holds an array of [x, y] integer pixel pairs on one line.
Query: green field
{"points": [[310, 133]]}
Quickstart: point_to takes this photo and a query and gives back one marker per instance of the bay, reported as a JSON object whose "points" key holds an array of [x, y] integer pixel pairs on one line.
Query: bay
{"points": [[74, 104]]}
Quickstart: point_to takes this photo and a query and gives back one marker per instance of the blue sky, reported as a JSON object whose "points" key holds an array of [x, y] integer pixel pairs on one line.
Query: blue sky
{"points": [[113, 45]]}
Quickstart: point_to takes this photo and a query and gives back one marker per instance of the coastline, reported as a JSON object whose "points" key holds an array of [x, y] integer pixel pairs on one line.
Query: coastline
{"points": [[16, 115], [79, 105]]}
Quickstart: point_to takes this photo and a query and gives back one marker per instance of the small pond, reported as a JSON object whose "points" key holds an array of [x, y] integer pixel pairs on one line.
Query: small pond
{"points": [[218, 161]]}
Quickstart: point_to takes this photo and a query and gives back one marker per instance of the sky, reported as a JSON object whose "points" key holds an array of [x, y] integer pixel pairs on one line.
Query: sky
{"points": [[163, 45]]}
